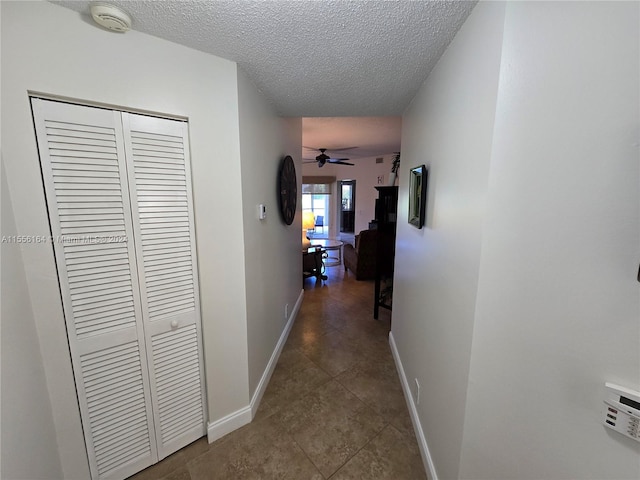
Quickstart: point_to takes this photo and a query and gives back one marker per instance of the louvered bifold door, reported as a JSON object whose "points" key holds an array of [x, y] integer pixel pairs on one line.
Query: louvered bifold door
{"points": [[160, 179], [83, 164]]}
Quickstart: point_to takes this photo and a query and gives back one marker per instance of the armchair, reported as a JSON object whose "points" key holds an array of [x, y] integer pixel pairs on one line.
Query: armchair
{"points": [[361, 259]]}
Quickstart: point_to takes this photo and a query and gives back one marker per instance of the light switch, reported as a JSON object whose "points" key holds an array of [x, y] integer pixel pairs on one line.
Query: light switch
{"points": [[262, 211]]}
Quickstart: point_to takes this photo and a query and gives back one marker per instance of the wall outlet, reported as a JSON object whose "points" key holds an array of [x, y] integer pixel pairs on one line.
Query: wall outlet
{"points": [[416, 392], [286, 311]]}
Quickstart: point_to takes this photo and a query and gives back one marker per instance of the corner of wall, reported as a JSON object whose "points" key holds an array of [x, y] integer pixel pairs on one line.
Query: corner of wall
{"points": [[271, 248], [24, 385]]}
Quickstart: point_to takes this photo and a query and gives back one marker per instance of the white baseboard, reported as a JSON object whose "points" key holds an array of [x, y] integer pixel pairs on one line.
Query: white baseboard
{"points": [[237, 419], [417, 427], [228, 424], [266, 376]]}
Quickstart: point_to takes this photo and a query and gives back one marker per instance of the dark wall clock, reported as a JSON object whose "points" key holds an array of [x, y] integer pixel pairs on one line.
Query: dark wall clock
{"points": [[287, 190]]}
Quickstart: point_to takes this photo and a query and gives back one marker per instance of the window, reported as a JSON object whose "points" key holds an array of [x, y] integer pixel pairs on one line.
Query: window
{"points": [[319, 205], [316, 192]]}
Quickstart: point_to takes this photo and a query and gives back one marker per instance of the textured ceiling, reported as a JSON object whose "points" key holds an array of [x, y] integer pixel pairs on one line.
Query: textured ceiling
{"points": [[312, 58]]}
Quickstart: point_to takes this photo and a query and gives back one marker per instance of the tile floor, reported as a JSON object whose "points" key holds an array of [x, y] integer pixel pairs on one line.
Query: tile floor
{"points": [[334, 407]]}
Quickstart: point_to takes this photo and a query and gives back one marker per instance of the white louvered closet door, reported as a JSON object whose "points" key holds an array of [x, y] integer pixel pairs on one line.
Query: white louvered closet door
{"points": [[83, 164], [157, 150], [118, 191]]}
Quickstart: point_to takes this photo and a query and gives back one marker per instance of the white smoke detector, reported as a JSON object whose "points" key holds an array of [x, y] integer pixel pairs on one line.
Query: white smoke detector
{"points": [[111, 17]]}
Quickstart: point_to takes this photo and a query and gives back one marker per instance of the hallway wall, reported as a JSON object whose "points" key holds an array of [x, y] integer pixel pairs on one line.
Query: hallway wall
{"points": [[448, 127], [26, 407], [518, 300], [265, 139], [558, 310], [50, 49]]}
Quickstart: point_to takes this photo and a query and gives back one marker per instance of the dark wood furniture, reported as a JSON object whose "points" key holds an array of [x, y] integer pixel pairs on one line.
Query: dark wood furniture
{"points": [[312, 265], [386, 219], [361, 259]]}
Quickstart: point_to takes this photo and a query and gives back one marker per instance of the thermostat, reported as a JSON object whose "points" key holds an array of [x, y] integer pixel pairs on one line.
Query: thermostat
{"points": [[622, 410]]}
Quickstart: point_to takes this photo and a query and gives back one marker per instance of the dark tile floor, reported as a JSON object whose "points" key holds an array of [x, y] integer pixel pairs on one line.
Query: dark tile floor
{"points": [[334, 407]]}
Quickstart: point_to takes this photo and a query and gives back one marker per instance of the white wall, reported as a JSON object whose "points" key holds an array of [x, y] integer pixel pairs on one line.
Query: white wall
{"points": [[365, 172], [519, 299], [47, 48], [29, 448], [273, 261], [558, 310], [447, 127]]}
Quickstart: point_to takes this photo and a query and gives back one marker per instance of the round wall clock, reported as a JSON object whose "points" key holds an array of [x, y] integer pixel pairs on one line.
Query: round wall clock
{"points": [[287, 190]]}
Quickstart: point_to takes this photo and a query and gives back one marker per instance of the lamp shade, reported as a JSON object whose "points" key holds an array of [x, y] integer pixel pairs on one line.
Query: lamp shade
{"points": [[308, 220]]}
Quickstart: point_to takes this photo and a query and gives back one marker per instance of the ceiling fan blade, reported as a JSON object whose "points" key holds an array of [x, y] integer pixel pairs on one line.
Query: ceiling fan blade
{"points": [[335, 160], [342, 163]]}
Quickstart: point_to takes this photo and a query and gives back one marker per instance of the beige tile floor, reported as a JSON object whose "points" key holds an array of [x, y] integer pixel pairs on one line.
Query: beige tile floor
{"points": [[334, 407]]}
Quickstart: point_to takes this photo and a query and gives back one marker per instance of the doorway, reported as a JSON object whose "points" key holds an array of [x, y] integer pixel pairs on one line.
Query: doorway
{"points": [[347, 206], [318, 204], [118, 191]]}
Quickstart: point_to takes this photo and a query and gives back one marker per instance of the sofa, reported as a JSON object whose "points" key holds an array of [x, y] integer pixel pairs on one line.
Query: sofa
{"points": [[361, 259]]}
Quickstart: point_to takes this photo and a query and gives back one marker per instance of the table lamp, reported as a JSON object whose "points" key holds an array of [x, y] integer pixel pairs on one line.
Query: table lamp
{"points": [[308, 222]]}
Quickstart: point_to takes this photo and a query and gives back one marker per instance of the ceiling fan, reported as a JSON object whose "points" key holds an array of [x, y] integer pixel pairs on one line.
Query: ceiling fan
{"points": [[324, 158]]}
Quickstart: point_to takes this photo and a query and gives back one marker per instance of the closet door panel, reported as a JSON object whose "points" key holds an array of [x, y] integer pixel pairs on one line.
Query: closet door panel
{"points": [[159, 172], [86, 186]]}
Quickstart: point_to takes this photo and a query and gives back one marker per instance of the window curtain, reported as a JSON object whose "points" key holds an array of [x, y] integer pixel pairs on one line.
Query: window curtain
{"points": [[317, 185]]}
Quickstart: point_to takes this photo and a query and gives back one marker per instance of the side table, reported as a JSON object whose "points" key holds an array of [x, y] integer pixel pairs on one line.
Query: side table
{"points": [[330, 245]]}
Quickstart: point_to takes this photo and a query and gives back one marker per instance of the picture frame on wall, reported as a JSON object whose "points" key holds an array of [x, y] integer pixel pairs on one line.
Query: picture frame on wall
{"points": [[418, 181]]}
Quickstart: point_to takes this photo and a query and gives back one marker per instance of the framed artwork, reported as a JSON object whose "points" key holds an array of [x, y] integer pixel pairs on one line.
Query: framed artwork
{"points": [[418, 195]]}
